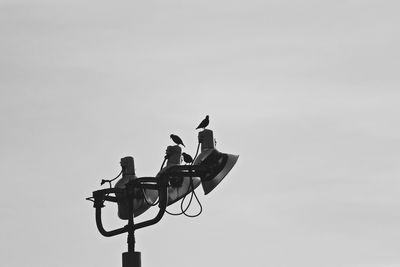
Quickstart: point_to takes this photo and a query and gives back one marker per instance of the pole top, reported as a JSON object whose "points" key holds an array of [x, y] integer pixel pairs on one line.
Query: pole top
{"points": [[128, 165], [206, 138]]}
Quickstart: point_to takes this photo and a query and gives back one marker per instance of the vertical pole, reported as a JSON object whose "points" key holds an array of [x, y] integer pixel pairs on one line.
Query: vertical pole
{"points": [[131, 228], [131, 258]]}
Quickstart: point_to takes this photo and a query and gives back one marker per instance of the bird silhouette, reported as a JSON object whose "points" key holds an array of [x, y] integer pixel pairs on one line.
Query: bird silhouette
{"points": [[204, 123], [176, 139], [187, 158]]}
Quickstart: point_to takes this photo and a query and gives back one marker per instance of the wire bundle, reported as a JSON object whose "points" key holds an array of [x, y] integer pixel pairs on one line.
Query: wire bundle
{"points": [[191, 192]]}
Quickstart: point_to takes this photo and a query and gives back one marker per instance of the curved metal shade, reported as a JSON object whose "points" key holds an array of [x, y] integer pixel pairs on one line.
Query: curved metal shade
{"points": [[179, 187], [219, 163], [145, 198]]}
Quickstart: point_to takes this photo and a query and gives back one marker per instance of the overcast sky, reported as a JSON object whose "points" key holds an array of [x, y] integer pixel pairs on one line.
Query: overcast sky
{"points": [[306, 92]]}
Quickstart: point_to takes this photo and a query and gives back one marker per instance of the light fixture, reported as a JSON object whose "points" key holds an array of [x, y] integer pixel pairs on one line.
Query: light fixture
{"points": [[178, 186], [143, 198], [135, 195], [218, 166]]}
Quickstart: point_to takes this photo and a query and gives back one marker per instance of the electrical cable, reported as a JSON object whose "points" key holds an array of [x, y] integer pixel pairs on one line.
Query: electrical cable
{"points": [[103, 181], [193, 193], [183, 199], [200, 206], [197, 152], [148, 203], [191, 197], [162, 164]]}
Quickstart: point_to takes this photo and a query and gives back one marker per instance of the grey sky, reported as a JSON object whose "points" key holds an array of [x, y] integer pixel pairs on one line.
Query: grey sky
{"points": [[306, 92]]}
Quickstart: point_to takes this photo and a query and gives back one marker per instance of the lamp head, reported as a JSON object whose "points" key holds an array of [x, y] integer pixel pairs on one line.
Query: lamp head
{"points": [[218, 166], [140, 204], [178, 186]]}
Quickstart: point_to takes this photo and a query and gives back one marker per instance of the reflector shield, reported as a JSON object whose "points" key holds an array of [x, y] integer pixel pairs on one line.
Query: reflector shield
{"points": [[219, 165], [140, 204], [179, 187]]}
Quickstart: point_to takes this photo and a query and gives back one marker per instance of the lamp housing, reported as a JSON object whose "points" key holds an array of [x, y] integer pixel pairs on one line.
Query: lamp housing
{"points": [[218, 165], [143, 198], [178, 186]]}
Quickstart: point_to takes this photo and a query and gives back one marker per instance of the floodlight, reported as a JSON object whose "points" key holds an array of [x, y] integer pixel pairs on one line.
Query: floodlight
{"points": [[178, 186], [218, 166], [143, 198], [135, 195]]}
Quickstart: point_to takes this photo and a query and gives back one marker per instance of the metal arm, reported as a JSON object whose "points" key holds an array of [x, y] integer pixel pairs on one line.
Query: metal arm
{"points": [[99, 198], [186, 170], [101, 229], [162, 191], [146, 182], [156, 183]]}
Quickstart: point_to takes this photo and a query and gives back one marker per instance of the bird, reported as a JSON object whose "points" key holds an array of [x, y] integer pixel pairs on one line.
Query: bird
{"points": [[204, 123], [176, 139], [187, 158]]}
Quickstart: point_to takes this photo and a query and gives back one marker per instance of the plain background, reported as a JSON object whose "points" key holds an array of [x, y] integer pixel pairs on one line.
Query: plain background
{"points": [[306, 92]]}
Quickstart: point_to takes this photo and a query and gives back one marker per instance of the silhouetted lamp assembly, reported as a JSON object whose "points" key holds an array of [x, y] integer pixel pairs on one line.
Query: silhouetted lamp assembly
{"points": [[134, 195]]}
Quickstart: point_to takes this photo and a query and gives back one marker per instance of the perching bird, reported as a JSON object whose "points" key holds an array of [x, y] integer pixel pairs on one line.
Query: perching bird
{"points": [[176, 139], [187, 158], [204, 123]]}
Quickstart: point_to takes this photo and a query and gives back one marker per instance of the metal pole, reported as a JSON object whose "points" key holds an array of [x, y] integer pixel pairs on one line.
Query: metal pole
{"points": [[131, 258]]}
